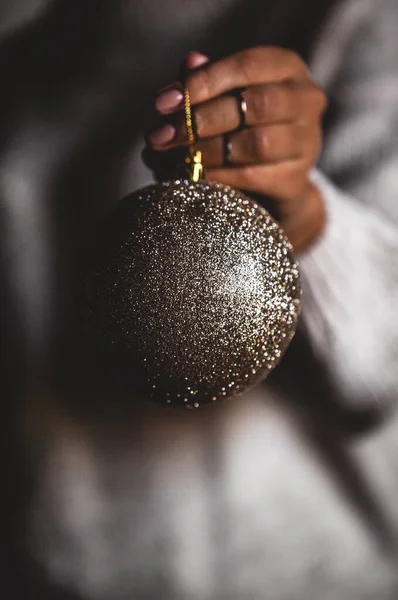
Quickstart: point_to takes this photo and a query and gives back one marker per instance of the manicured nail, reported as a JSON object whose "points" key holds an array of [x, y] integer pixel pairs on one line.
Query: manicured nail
{"points": [[169, 101], [162, 135], [195, 60]]}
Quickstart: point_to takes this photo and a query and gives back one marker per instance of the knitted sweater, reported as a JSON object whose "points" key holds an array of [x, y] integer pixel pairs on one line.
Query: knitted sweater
{"points": [[288, 493]]}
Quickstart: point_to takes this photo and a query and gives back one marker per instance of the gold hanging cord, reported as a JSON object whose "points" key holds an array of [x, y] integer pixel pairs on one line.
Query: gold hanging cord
{"points": [[194, 159]]}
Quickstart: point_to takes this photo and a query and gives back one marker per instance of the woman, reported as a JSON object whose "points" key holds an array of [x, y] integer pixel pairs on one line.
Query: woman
{"points": [[291, 491]]}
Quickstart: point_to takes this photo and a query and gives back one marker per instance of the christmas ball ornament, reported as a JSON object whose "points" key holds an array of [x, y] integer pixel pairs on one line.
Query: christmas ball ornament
{"points": [[195, 286]]}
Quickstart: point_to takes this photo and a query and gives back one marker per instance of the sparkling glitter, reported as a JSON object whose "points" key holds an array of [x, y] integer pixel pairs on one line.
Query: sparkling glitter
{"points": [[198, 286]]}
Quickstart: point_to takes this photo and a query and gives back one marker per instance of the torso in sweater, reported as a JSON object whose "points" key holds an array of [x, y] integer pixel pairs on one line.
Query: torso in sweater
{"points": [[258, 498]]}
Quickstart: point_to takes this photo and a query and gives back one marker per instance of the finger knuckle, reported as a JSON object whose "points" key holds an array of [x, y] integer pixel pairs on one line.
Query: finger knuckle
{"points": [[204, 82], [249, 63], [262, 105], [260, 144]]}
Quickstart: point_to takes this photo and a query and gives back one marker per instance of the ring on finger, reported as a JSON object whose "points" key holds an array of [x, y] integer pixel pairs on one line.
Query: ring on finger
{"points": [[227, 150], [242, 108]]}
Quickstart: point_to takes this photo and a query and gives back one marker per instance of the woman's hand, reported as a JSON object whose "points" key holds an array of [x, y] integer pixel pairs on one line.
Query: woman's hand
{"points": [[273, 154]]}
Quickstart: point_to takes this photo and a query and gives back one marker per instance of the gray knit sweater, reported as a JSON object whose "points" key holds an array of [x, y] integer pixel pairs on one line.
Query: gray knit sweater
{"points": [[289, 493]]}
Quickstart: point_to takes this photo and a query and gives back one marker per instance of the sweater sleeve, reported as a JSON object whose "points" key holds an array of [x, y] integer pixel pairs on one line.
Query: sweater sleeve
{"points": [[350, 276]]}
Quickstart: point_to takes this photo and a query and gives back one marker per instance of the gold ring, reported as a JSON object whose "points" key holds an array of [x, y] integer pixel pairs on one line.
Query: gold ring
{"points": [[242, 108], [227, 150]]}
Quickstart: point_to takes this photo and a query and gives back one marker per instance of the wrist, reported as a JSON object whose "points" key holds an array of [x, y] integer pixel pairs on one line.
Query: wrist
{"points": [[306, 224]]}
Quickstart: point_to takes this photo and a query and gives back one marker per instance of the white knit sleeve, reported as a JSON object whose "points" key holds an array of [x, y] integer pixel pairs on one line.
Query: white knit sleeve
{"points": [[350, 276], [350, 299]]}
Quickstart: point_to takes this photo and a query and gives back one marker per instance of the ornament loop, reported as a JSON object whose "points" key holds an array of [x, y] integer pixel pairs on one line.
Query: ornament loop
{"points": [[194, 159], [189, 120]]}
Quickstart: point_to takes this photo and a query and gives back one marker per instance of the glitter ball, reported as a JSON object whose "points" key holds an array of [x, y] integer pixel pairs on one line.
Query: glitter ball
{"points": [[195, 286]]}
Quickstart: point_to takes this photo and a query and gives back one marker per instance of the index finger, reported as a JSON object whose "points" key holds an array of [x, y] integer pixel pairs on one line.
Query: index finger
{"points": [[265, 64]]}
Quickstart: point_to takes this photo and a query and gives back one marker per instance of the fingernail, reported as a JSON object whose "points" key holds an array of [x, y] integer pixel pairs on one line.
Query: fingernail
{"points": [[169, 100], [196, 59], [162, 135]]}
